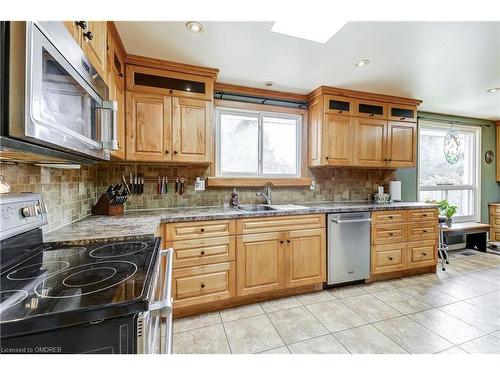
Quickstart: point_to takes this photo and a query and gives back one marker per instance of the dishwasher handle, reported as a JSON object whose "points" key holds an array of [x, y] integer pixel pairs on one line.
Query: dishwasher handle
{"points": [[351, 221]]}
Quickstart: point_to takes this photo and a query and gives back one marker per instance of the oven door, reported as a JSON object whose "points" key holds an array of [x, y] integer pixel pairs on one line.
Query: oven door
{"points": [[65, 104], [155, 326]]}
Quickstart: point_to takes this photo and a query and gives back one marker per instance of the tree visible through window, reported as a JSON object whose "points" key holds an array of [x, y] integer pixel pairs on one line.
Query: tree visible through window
{"points": [[257, 144]]}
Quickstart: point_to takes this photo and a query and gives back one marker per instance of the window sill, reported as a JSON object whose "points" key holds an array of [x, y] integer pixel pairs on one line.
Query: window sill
{"points": [[257, 181]]}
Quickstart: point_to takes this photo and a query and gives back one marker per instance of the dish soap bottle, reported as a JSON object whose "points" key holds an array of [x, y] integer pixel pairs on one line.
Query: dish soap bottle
{"points": [[235, 200]]}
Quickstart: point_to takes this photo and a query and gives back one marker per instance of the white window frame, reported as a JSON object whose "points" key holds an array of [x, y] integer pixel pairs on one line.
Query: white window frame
{"points": [[260, 114], [476, 163]]}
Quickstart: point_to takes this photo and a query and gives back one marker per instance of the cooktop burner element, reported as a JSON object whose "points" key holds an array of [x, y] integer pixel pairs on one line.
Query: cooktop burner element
{"points": [[117, 249], [34, 271], [85, 279], [10, 298]]}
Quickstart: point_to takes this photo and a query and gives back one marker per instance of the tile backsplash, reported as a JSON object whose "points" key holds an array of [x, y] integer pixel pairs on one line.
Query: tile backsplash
{"points": [[70, 194]]}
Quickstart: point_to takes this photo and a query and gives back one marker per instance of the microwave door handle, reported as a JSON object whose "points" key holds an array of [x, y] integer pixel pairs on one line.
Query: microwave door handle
{"points": [[111, 143]]}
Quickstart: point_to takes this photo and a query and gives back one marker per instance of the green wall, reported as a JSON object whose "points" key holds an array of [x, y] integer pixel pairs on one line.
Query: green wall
{"points": [[490, 189]]}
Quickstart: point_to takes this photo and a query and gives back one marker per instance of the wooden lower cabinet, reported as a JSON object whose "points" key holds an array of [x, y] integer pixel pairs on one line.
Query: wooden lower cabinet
{"points": [[495, 220], [422, 253], [388, 258], [260, 259]]}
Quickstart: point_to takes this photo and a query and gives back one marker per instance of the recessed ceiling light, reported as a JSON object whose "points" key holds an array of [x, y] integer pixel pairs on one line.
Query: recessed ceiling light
{"points": [[194, 27], [361, 63], [494, 89], [320, 32], [269, 83]]}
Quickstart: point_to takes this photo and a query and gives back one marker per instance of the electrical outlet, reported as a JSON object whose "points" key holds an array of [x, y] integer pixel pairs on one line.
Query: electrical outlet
{"points": [[345, 194], [313, 185], [199, 184]]}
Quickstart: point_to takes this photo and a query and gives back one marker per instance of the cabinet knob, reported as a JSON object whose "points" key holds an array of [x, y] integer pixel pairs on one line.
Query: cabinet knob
{"points": [[425, 231], [175, 152], [390, 258], [167, 152], [82, 24], [202, 230], [327, 158], [403, 118], [202, 252], [282, 241], [340, 111], [88, 35], [391, 234], [120, 75], [390, 159], [390, 217], [372, 114], [385, 159], [171, 91], [424, 254], [202, 285], [288, 241], [424, 215]]}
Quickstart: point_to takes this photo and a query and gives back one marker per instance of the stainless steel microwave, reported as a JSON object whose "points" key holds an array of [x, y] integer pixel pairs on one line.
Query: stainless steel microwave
{"points": [[54, 99]]}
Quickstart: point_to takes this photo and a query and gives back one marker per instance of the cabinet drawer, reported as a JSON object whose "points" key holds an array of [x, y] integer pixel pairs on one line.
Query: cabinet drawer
{"points": [[388, 258], [203, 284], [422, 231], [390, 233], [276, 224], [495, 209], [422, 215], [421, 254], [388, 217], [198, 229], [201, 251]]}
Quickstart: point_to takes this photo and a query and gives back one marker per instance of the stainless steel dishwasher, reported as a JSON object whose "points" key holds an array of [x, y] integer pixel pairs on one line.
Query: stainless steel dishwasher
{"points": [[348, 247]]}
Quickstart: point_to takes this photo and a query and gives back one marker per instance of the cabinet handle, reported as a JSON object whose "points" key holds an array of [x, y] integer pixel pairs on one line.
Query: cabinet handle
{"points": [[390, 258], [391, 217], [202, 252], [88, 35], [120, 75], [403, 118], [372, 114], [424, 215], [340, 111], [167, 152], [288, 241], [424, 254], [385, 159], [391, 234], [175, 152], [202, 285], [82, 24], [171, 91], [282, 241], [390, 159], [202, 230], [327, 158], [424, 230]]}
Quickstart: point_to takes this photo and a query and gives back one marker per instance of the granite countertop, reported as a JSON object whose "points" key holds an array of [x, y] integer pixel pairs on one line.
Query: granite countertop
{"points": [[144, 224]]}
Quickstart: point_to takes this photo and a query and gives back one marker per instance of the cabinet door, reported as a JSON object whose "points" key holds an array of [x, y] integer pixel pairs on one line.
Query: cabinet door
{"points": [[498, 148], [260, 263], [74, 30], [339, 105], [191, 130], [370, 108], [148, 127], [401, 144], [305, 257], [338, 136], [117, 92], [369, 142], [398, 112], [94, 42], [315, 135]]}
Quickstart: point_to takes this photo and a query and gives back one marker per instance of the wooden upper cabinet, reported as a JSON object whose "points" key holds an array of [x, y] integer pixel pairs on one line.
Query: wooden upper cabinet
{"points": [[115, 54], [305, 257], [399, 112], [315, 136], [401, 144], [498, 149], [192, 130], [148, 127], [168, 82], [338, 105], [369, 144], [338, 135], [371, 109], [260, 263], [92, 38]]}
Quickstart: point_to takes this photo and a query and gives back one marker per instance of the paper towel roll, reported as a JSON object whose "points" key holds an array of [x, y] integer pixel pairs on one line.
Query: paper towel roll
{"points": [[395, 190]]}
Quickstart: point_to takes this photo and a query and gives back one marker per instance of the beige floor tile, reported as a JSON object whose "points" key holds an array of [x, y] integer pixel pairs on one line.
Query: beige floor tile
{"points": [[241, 312], [446, 326], [482, 286], [319, 345], [370, 308], [401, 301], [476, 317], [368, 340], [280, 350], [315, 297], [346, 291], [489, 302], [336, 316], [252, 335], [375, 287], [197, 321], [453, 350], [454, 289], [401, 283], [280, 304], [412, 336], [207, 340], [485, 344], [296, 324], [429, 295]]}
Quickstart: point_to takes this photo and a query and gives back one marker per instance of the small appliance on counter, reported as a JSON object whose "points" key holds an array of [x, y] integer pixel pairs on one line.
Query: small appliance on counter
{"points": [[395, 190], [109, 297]]}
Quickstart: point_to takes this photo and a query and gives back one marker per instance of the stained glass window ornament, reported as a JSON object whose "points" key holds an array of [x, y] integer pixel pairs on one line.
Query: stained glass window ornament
{"points": [[452, 147]]}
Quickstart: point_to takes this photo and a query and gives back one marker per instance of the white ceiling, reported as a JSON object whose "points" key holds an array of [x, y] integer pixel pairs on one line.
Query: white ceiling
{"points": [[447, 65]]}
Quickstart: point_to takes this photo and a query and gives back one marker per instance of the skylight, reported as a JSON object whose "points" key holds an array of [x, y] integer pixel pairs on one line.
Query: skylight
{"points": [[320, 32]]}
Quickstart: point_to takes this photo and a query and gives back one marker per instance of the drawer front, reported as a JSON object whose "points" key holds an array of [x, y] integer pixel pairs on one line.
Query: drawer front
{"points": [[203, 284], [388, 217], [277, 224], [495, 221], [421, 254], [495, 209], [422, 215], [198, 229], [391, 233], [201, 251], [389, 258], [422, 231]]}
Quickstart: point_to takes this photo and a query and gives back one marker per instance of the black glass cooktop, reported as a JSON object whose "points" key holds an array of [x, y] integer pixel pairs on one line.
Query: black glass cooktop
{"points": [[81, 283]]}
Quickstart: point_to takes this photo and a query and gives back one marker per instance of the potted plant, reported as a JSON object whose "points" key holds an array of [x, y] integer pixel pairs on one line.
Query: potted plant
{"points": [[448, 210]]}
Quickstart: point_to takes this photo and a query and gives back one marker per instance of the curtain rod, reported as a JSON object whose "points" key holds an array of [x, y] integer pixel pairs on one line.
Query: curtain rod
{"points": [[451, 122]]}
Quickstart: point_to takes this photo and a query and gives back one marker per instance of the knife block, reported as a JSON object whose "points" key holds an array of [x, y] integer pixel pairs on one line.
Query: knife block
{"points": [[104, 207]]}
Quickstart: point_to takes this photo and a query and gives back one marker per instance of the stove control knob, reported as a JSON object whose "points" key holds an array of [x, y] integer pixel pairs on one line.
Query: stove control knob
{"points": [[28, 211]]}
